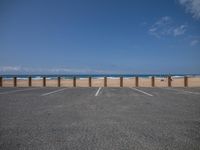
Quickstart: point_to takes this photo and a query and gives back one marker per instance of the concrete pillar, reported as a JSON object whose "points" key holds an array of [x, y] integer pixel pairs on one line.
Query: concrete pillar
{"points": [[186, 81], [153, 81], [74, 81], [169, 81], [136, 81], [121, 81], [105, 81], [29, 81], [90, 81], [1, 81], [59, 81], [44, 81], [15, 81]]}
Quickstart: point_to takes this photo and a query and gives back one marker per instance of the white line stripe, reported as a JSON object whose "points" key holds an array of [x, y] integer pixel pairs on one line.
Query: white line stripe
{"points": [[56, 91], [182, 91], [15, 91], [141, 91], [98, 91]]}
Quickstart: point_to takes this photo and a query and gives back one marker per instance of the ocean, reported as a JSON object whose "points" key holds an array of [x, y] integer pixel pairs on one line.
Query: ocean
{"points": [[96, 76]]}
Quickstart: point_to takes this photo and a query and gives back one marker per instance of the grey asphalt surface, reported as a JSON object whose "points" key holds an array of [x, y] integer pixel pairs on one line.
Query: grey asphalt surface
{"points": [[115, 119]]}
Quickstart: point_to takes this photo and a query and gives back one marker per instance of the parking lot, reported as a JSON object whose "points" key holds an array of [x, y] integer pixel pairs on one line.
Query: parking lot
{"points": [[100, 118]]}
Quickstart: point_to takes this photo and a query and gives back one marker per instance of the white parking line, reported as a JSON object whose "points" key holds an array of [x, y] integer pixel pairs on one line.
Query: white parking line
{"points": [[56, 91], [173, 89], [15, 91], [141, 91], [98, 91]]}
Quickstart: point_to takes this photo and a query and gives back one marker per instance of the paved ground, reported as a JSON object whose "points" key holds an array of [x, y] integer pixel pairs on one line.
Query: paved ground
{"points": [[100, 118]]}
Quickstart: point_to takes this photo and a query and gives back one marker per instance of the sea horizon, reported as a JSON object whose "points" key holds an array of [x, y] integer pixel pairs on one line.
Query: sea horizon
{"points": [[80, 76]]}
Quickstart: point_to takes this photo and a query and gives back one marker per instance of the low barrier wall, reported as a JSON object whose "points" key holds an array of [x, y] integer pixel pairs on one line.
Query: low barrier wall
{"points": [[103, 82]]}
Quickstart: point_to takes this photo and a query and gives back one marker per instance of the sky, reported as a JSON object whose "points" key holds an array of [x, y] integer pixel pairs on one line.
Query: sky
{"points": [[99, 37]]}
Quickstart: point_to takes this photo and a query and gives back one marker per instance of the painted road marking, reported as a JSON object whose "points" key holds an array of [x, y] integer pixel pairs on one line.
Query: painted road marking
{"points": [[141, 91], [173, 89], [98, 91], [53, 92], [15, 91]]}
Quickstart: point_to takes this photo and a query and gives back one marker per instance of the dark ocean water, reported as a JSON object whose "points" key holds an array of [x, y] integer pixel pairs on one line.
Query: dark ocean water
{"points": [[80, 76]]}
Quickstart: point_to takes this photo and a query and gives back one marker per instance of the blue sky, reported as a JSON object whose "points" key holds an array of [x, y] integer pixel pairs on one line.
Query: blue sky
{"points": [[99, 36]]}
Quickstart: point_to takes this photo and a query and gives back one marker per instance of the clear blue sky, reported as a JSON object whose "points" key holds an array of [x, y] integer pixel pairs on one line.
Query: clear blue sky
{"points": [[99, 36]]}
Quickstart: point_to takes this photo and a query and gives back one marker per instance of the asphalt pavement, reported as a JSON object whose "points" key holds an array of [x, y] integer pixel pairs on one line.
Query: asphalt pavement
{"points": [[100, 118]]}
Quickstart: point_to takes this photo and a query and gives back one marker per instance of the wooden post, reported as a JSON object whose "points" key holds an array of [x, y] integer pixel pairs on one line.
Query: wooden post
{"points": [[15, 81], [105, 81], [74, 81], [121, 81], [44, 81], [90, 81], [186, 81], [169, 81], [1, 81], [153, 81], [58, 81], [29, 81], [136, 81]]}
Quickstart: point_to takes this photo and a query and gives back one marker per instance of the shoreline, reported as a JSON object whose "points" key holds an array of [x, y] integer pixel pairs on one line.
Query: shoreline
{"points": [[82, 77]]}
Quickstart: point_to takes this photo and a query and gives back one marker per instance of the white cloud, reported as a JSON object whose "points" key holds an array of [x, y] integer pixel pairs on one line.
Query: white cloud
{"points": [[180, 30], [9, 68], [166, 27], [194, 42], [16, 69], [64, 70], [192, 6], [164, 21], [161, 27]]}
